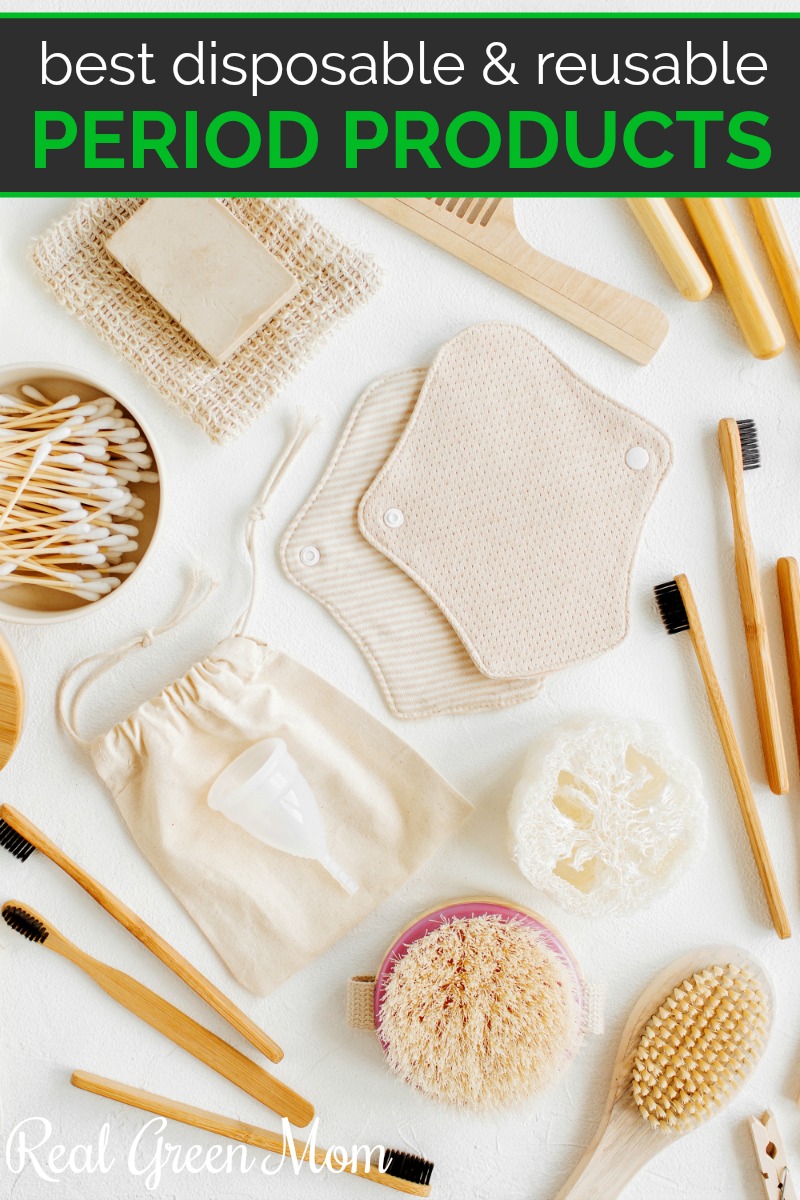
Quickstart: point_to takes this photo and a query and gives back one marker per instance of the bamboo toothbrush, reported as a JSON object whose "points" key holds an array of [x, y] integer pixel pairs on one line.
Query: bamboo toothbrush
{"points": [[20, 837], [167, 1019], [789, 590], [679, 612], [737, 275], [483, 232], [666, 236], [403, 1172], [780, 253], [738, 445], [692, 1040]]}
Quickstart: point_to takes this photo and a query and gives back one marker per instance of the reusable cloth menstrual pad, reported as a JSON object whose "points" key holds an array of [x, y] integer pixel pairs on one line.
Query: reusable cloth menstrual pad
{"points": [[420, 662], [512, 501]]}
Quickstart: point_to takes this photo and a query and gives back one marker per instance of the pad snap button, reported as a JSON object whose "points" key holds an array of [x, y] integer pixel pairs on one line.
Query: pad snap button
{"points": [[393, 518], [637, 458], [309, 556]]}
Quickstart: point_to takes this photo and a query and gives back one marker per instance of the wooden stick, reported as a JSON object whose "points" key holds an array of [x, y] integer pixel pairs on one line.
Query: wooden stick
{"points": [[733, 756], [737, 275], [159, 1014], [238, 1131], [153, 941], [780, 253], [789, 591], [752, 605], [666, 236]]}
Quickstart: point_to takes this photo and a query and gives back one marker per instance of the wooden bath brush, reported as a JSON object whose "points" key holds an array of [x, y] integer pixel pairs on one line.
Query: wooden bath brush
{"points": [[692, 1040]]}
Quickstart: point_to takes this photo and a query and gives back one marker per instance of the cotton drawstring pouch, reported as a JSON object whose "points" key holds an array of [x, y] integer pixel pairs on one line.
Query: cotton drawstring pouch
{"points": [[384, 808]]}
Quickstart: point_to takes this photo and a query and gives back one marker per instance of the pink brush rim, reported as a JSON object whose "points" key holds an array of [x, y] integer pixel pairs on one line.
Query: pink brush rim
{"points": [[466, 909]]}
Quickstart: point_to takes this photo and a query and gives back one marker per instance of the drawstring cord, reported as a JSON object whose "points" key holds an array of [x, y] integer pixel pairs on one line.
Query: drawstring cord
{"points": [[302, 430], [198, 591], [200, 588]]}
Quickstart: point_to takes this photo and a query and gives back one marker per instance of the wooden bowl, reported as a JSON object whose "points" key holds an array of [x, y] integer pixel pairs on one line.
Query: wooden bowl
{"points": [[26, 603]]}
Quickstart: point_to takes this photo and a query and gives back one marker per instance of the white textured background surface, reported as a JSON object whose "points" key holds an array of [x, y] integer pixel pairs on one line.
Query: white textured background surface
{"points": [[54, 1019]]}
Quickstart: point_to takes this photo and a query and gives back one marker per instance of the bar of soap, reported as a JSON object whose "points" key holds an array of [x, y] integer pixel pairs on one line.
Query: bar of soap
{"points": [[201, 264]]}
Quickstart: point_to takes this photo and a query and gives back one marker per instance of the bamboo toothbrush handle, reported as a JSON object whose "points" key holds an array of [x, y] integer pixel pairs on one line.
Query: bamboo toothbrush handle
{"points": [[733, 756], [752, 605], [737, 275], [187, 1034], [789, 590], [147, 936], [238, 1131], [780, 253], [664, 232]]}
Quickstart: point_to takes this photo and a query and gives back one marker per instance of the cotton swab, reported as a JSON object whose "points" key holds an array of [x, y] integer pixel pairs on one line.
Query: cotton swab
{"points": [[67, 513]]}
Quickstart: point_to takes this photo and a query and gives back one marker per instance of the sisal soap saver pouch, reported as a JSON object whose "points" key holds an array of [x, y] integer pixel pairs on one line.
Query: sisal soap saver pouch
{"points": [[267, 913], [418, 659], [515, 498], [333, 280]]}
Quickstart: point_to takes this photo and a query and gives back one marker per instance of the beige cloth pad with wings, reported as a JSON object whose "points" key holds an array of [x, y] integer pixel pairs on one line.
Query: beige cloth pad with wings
{"points": [[515, 499], [420, 663]]}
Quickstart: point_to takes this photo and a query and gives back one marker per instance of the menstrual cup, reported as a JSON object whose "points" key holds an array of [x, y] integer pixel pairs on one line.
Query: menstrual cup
{"points": [[265, 793]]}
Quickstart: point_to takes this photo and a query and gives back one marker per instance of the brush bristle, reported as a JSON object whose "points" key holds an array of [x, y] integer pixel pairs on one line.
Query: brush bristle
{"points": [[699, 1047], [22, 922], [671, 606], [410, 1167], [748, 436], [14, 842]]}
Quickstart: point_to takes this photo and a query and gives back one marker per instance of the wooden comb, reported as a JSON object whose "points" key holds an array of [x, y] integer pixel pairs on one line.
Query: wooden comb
{"points": [[483, 232]]}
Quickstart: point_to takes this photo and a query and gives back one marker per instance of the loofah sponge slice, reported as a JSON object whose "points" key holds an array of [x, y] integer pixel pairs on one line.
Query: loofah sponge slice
{"points": [[480, 1012], [695, 1051], [606, 815]]}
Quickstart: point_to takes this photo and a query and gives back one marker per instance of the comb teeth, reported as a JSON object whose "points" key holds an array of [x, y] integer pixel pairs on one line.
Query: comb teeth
{"points": [[22, 922], [698, 1048], [412, 1168], [748, 436], [14, 842], [671, 607], [474, 210]]}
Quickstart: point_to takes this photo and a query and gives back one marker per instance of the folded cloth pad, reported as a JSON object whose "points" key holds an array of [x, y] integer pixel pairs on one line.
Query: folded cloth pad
{"points": [[334, 279], [515, 498], [419, 661]]}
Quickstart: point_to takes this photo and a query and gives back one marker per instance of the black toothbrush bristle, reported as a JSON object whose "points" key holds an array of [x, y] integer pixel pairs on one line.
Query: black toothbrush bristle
{"points": [[748, 436], [409, 1167], [671, 606], [14, 842], [22, 922]]}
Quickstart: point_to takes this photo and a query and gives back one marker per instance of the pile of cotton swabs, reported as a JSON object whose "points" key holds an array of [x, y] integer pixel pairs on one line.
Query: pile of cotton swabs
{"points": [[67, 512]]}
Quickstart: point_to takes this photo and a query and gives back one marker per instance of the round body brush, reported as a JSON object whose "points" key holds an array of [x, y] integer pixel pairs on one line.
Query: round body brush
{"points": [[478, 1004], [690, 1043]]}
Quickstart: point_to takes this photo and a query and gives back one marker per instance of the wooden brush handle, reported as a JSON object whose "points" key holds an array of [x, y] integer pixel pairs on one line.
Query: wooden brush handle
{"points": [[780, 253], [147, 936], [789, 591], [752, 605], [186, 1033], [737, 275], [238, 1131], [612, 1161], [666, 236], [733, 756]]}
